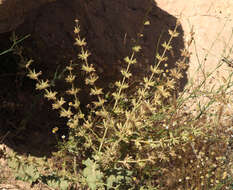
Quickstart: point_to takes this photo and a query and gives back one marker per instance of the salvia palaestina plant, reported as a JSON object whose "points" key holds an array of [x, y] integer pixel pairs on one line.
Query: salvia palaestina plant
{"points": [[145, 130], [109, 128]]}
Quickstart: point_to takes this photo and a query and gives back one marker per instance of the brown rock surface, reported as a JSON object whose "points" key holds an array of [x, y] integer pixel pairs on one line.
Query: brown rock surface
{"points": [[13, 12]]}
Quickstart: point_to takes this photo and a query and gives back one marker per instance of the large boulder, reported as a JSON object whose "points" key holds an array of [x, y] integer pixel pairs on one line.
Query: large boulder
{"points": [[13, 12]]}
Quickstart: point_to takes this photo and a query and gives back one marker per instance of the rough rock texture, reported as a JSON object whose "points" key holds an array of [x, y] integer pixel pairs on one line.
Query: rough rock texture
{"points": [[13, 12], [110, 27]]}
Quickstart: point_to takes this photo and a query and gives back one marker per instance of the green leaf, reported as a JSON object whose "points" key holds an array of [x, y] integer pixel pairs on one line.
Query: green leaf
{"points": [[118, 177], [92, 174], [110, 181], [56, 181]]}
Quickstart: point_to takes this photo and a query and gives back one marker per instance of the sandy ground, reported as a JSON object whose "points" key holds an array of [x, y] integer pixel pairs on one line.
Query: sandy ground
{"points": [[212, 24]]}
